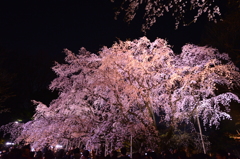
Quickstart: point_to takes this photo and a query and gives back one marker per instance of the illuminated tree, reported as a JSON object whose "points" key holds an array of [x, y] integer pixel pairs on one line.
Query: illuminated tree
{"points": [[179, 9], [130, 89]]}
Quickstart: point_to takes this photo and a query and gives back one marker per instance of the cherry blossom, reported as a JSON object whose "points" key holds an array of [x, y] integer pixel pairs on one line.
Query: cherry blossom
{"points": [[130, 89], [179, 9]]}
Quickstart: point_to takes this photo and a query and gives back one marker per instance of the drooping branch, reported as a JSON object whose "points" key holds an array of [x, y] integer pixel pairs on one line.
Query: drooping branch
{"points": [[178, 9]]}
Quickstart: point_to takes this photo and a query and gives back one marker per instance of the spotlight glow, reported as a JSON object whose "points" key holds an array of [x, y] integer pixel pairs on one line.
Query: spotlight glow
{"points": [[58, 146]]}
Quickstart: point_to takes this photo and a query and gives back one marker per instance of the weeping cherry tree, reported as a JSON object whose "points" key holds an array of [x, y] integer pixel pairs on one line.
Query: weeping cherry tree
{"points": [[130, 89]]}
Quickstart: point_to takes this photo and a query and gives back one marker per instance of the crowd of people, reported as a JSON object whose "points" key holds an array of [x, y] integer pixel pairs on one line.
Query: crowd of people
{"points": [[76, 153]]}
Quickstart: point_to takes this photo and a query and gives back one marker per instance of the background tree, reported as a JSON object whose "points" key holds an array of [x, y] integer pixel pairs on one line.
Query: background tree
{"points": [[26, 77], [225, 35], [5, 92], [6, 79], [133, 89]]}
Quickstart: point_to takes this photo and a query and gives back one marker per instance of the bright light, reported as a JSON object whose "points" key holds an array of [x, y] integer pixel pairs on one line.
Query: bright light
{"points": [[58, 146], [18, 121], [9, 143]]}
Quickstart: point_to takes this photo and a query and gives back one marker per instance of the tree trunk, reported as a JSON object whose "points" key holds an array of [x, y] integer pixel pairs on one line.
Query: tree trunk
{"points": [[200, 131], [131, 147]]}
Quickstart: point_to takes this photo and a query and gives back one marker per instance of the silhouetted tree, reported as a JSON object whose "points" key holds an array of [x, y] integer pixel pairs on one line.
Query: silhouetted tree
{"points": [[225, 35]]}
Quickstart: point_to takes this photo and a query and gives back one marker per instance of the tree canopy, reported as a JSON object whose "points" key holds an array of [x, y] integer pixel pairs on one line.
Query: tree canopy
{"points": [[132, 89]]}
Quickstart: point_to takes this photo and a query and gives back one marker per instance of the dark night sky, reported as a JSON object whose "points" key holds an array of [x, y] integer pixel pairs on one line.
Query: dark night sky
{"points": [[52, 25], [56, 24], [36, 32]]}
